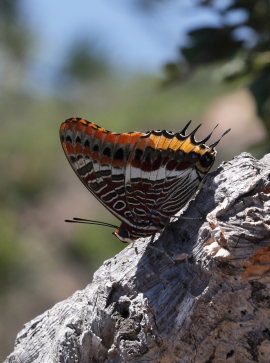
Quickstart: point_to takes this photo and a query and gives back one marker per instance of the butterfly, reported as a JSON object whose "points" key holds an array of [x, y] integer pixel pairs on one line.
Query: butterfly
{"points": [[143, 179]]}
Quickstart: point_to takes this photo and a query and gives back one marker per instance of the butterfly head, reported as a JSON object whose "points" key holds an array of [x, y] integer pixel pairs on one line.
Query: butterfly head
{"points": [[206, 155], [123, 234], [207, 159]]}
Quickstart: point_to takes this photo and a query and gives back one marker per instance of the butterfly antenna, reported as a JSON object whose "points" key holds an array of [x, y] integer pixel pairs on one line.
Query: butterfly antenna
{"points": [[215, 143], [90, 221]]}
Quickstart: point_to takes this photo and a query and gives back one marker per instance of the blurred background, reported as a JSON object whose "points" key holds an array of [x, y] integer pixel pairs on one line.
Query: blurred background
{"points": [[126, 65]]}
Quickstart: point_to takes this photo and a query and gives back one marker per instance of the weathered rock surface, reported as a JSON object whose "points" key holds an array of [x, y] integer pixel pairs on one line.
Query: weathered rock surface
{"points": [[201, 294]]}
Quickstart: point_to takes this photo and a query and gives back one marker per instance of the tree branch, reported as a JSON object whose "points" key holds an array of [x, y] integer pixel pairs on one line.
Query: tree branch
{"points": [[204, 299]]}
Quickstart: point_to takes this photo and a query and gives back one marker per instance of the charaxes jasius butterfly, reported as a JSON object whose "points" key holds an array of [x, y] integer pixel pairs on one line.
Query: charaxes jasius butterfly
{"points": [[143, 179]]}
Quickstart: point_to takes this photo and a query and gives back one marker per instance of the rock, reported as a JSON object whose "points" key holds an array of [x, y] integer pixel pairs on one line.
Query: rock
{"points": [[198, 294]]}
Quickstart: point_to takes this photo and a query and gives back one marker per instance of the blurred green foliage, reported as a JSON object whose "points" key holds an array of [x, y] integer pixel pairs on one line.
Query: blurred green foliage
{"points": [[90, 247], [11, 252], [240, 50]]}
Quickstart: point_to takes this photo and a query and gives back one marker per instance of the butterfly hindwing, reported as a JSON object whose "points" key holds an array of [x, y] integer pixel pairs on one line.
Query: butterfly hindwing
{"points": [[161, 180]]}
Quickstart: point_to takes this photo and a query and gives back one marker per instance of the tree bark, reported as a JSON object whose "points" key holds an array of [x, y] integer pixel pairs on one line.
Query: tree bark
{"points": [[200, 293]]}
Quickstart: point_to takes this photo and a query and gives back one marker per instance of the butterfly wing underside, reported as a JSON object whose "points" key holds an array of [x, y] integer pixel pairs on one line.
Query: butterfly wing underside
{"points": [[99, 157], [142, 179]]}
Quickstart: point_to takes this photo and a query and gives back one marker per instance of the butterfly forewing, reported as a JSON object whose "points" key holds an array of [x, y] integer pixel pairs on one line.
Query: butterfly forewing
{"points": [[99, 160]]}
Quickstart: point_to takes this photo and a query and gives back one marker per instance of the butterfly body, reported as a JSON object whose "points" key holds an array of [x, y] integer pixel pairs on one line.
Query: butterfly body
{"points": [[142, 178]]}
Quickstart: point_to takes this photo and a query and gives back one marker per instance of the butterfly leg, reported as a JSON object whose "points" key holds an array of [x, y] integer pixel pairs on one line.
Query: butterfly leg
{"points": [[202, 216], [151, 245], [169, 225], [162, 252], [152, 238]]}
